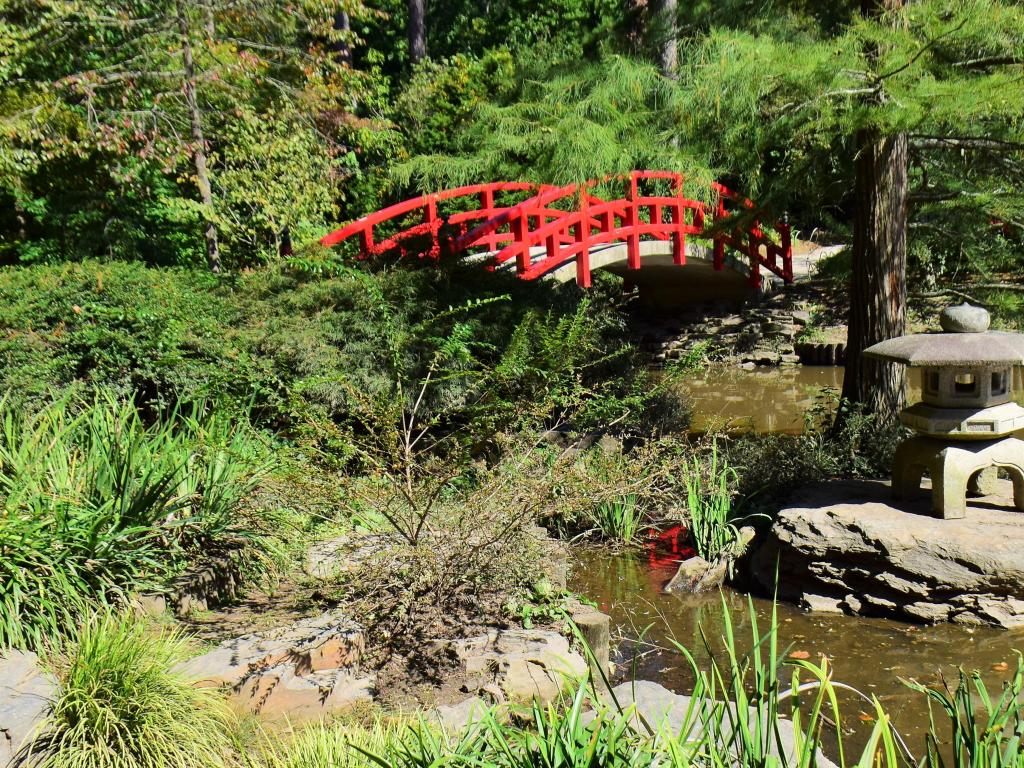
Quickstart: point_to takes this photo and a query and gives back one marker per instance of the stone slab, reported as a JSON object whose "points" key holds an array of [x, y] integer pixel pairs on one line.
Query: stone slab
{"points": [[524, 664], [659, 708], [281, 692], [25, 694], [325, 642], [848, 544]]}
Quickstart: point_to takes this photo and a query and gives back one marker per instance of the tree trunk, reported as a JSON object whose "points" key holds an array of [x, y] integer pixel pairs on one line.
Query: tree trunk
{"points": [[667, 55], [878, 285], [417, 31], [341, 47], [198, 140]]}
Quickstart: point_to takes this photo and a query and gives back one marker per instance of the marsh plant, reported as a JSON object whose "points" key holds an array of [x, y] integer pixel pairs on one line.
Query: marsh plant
{"points": [[984, 730], [121, 705], [619, 519], [96, 504], [709, 504]]}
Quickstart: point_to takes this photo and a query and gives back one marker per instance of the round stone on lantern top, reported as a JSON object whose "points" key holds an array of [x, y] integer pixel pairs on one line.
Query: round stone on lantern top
{"points": [[965, 318]]}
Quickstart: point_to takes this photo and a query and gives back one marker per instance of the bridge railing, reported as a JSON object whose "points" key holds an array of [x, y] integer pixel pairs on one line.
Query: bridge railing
{"points": [[540, 236], [484, 198], [559, 238]]}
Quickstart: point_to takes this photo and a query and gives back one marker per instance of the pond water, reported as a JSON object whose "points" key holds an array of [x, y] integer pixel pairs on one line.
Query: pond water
{"points": [[762, 400], [769, 399], [872, 655], [869, 654]]}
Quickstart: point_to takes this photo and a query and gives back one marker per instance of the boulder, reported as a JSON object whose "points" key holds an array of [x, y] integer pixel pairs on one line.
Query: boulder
{"points": [[458, 717], [524, 664], [304, 669], [659, 708], [696, 574], [846, 545], [25, 695], [281, 691]]}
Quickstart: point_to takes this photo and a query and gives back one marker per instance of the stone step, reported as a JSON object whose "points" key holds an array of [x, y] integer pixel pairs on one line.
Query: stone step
{"points": [[25, 693], [814, 353], [330, 641], [518, 664], [278, 691]]}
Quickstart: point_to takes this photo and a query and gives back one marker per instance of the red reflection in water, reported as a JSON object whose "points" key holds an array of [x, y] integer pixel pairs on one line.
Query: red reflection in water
{"points": [[665, 550]]}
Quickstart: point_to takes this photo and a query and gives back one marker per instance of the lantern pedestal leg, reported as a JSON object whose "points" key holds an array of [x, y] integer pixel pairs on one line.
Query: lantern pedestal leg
{"points": [[951, 465]]}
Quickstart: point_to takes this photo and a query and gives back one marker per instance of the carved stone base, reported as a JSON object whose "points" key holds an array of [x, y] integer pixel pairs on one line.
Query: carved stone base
{"points": [[951, 465]]}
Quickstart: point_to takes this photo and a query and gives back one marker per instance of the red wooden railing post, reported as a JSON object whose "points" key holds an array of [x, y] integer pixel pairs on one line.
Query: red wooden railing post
{"points": [[519, 227], [632, 222], [582, 233], [678, 222], [487, 207], [551, 242], [787, 250], [430, 219], [366, 242], [718, 258]]}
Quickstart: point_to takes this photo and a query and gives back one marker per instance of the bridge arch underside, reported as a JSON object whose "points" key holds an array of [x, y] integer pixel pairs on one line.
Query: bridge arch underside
{"points": [[661, 283]]}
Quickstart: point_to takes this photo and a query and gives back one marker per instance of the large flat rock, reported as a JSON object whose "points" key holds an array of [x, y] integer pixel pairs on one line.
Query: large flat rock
{"points": [[847, 546], [523, 664]]}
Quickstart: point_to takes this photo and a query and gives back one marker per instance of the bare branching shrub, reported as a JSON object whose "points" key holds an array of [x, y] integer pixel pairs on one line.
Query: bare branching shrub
{"points": [[478, 545]]}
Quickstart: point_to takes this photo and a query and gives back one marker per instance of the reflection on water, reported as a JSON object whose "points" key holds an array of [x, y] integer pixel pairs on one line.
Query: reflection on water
{"points": [[729, 399], [761, 400], [869, 654]]}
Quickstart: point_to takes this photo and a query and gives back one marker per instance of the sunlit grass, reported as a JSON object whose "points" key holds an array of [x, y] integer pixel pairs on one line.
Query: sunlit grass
{"points": [[120, 705]]}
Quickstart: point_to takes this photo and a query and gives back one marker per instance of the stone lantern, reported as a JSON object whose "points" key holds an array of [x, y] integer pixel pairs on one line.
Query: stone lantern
{"points": [[966, 418]]}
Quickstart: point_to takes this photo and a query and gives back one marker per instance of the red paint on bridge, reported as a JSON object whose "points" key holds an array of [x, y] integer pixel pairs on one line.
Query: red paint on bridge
{"points": [[539, 236]]}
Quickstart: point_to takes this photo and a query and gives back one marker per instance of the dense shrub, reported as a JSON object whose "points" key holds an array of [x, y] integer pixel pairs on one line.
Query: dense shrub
{"points": [[771, 466], [295, 350]]}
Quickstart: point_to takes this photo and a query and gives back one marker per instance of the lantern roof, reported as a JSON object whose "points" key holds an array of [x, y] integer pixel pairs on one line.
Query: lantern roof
{"points": [[967, 343]]}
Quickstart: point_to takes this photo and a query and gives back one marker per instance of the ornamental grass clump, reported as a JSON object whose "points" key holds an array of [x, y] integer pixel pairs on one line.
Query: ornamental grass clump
{"points": [[984, 730], [121, 705], [95, 505], [334, 745]]}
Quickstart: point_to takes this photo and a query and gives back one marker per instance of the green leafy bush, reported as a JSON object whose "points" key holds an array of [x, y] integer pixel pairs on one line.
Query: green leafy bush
{"points": [[292, 349], [768, 467], [121, 705]]}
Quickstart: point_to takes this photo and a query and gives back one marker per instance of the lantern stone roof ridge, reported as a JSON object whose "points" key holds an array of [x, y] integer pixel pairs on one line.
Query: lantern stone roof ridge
{"points": [[964, 350]]}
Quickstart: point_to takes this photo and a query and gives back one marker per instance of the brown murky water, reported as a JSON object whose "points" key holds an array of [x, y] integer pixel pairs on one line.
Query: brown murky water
{"points": [[869, 654], [729, 399]]}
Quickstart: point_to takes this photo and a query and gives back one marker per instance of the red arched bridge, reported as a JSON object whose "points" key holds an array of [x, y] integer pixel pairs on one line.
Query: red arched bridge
{"points": [[556, 229]]}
